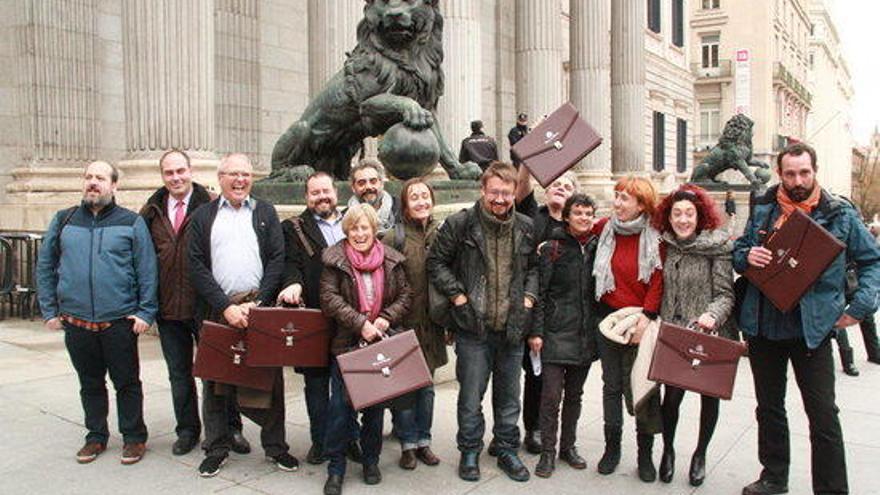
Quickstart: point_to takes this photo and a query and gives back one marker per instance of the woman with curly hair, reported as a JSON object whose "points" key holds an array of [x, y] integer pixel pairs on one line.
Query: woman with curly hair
{"points": [[697, 288]]}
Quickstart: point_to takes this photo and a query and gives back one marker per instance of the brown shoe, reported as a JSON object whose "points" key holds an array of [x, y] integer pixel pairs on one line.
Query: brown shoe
{"points": [[89, 452], [408, 459], [425, 455], [133, 452]]}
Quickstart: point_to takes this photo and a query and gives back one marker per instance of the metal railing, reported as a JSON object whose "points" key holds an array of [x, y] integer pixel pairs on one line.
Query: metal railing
{"points": [[18, 287]]}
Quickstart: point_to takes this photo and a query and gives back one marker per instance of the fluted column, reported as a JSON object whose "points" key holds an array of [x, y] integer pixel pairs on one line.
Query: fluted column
{"points": [[538, 56], [628, 18], [238, 74], [168, 48], [462, 99], [591, 74], [332, 33]]}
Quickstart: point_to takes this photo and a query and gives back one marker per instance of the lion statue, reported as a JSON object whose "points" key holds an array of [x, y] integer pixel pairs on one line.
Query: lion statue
{"points": [[733, 151], [392, 76]]}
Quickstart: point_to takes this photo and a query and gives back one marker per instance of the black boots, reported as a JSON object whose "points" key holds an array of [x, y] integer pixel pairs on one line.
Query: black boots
{"points": [[546, 465], [532, 442], [611, 458], [698, 469], [847, 360], [667, 465], [647, 471]]}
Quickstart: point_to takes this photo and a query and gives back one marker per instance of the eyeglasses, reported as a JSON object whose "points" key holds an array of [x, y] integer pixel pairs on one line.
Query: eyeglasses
{"points": [[237, 175], [495, 193]]}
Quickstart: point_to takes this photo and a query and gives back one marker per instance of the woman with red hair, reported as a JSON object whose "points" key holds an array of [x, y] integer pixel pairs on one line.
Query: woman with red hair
{"points": [[697, 288], [628, 274]]}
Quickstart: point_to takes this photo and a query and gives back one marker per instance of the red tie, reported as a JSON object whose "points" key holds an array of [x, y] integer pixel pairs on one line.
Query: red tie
{"points": [[178, 215]]}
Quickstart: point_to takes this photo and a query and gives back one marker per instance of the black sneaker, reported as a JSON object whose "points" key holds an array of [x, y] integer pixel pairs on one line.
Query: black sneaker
{"points": [[765, 487], [315, 455], [211, 465], [286, 462], [183, 445], [372, 475], [513, 466], [240, 444]]}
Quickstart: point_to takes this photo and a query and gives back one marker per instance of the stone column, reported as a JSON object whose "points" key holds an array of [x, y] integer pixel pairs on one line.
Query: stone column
{"points": [[591, 85], [49, 110], [538, 57], [628, 86], [169, 87], [238, 77], [462, 100]]}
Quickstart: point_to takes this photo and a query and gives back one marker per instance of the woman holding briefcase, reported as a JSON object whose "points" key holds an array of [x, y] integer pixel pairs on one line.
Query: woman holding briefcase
{"points": [[364, 289], [697, 288]]}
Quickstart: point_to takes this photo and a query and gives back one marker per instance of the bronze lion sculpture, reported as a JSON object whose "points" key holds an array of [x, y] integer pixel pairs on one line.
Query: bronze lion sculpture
{"points": [[733, 151], [392, 76]]}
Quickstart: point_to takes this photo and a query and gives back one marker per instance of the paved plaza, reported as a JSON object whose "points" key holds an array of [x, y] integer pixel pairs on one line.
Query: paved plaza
{"points": [[41, 427]]}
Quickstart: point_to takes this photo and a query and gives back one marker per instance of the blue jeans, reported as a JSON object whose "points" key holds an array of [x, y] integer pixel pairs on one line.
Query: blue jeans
{"points": [[317, 392], [339, 427], [477, 359], [413, 425]]}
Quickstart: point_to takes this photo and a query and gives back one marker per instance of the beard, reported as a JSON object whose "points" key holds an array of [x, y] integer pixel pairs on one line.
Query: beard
{"points": [[325, 214], [799, 193], [99, 202]]}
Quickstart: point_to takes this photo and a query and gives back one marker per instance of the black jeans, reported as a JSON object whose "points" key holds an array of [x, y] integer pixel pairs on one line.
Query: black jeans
{"points": [[177, 339], [617, 361], [556, 380], [218, 433], [814, 372], [114, 351], [531, 408]]}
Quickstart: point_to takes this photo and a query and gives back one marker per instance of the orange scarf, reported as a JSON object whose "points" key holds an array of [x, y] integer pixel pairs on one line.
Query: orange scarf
{"points": [[788, 205]]}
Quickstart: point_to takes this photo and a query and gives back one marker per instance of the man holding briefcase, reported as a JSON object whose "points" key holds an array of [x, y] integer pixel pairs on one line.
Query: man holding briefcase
{"points": [[802, 334]]}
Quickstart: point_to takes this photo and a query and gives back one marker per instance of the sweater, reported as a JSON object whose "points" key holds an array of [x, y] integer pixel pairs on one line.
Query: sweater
{"points": [[628, 289]]}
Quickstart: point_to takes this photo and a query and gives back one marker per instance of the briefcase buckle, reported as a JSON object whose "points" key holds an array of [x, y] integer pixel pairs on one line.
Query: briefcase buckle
{"points": [[558, 145], [288, 329], [238, 349], [793, 263], [386, 371], [288, 341]]}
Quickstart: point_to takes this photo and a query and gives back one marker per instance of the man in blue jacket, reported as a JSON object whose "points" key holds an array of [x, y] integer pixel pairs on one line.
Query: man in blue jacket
{"points": [[803, 334], [96, 280]]}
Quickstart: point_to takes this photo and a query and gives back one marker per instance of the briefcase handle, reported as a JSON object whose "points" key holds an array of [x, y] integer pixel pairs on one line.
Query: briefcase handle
{"points": [[557, 143]]}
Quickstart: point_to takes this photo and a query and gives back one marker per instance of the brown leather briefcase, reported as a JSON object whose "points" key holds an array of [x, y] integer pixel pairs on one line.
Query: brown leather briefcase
{"points": [[802, 250], [287, 337], [695, 361], [384, 370], [557, 144], [221, 356]]}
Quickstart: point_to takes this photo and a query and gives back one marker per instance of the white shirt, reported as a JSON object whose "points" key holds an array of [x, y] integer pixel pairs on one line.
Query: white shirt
{"points": [[235, 251], [172, 205]]}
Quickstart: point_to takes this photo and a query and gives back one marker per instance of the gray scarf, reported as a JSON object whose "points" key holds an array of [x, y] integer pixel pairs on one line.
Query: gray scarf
{"points": [[386, 218], [649, 251]]}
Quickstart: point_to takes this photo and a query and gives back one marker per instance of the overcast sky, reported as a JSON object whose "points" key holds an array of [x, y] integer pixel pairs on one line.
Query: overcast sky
{"points": [[858, 24]]}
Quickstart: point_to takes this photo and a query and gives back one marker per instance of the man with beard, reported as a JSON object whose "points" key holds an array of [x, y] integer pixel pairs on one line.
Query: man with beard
{"points": [[368, 186], [236, 259], [96, 280], [516, 133], [546, 218], [478, 147], [305, 238], [802, 335], [484, 262], [167, 214]]}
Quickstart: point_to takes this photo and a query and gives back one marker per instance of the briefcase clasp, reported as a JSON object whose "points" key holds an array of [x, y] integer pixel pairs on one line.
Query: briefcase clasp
{"points": [[386, 371], [288, 329], [238, 349], [558, 145], [793, 263]]}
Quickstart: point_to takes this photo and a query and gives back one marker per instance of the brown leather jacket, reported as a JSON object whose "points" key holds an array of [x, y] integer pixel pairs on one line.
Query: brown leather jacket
{"points": [[176, 296], [339, 299]]}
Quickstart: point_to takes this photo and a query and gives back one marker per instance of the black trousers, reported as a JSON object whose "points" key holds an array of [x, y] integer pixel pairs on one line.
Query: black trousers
{"points": [[531, 408], [868, 328], [565, 384], [814, 372], [177, 339], [95, 354], [218, 434]]}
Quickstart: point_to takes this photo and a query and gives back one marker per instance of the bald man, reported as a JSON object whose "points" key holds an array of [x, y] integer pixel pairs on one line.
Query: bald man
{"points": [[96, 280]]}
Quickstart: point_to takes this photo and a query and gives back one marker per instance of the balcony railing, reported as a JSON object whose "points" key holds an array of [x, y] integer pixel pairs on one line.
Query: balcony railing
{"points": [[782, 76], [700, 72]]}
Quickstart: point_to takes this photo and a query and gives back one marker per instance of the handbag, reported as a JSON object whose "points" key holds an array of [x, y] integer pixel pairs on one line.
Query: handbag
{"points": [[695, 361], [287, 337], [221, 357], [387, 369]]}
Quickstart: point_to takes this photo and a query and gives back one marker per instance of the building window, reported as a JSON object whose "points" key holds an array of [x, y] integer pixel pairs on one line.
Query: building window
{"points": [[654, 15], [678, 23], [710, 124], [709, 45], [681, 140], [711, 4], [659, 142]]}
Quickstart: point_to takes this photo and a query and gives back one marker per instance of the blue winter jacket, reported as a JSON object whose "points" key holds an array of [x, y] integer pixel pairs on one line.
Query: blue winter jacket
{"points": [[824, 302], [107, 268]]}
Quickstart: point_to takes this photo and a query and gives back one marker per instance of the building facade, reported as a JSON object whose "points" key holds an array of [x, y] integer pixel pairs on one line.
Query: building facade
{"points": [[123, 80], [751, 57]]}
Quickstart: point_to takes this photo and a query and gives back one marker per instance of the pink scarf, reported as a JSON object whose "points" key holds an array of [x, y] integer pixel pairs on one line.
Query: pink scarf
{"points": [[363, 264]]}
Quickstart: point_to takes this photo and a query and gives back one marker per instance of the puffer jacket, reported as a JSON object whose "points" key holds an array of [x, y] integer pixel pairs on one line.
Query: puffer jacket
{"points": [[565, 317], [823, 304], [698, 278], [98, 268], [176, 295], [457, 265], [339, 299]]}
